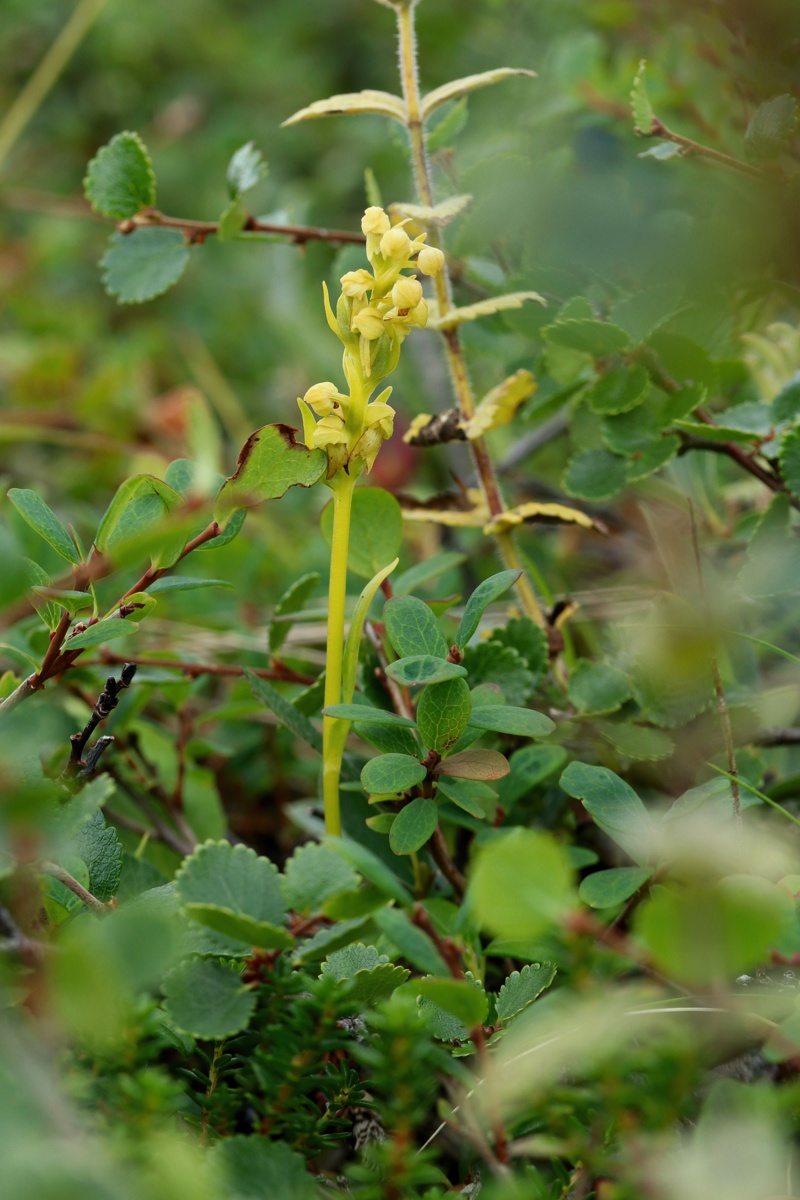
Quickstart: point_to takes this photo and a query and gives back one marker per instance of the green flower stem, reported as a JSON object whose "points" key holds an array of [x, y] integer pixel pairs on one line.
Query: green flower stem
{"points": [[490, 486], [334, 730]]}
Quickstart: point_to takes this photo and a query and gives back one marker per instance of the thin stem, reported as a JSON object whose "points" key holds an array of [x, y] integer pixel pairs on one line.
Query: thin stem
{"points": [[46, 74], [456, 362], [76, 888], [198, 231], [332, 741], [691, 148]]}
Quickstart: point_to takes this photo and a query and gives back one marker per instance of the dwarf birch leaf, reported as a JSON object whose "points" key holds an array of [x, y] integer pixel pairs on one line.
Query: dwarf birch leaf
{"points": [[413, 629], [423, 668], [652, 458], [442, 714], [269, 463], [44, 521], [469, 83], [789, 459], [521, 989], [475, 764], [144, 264], [522, 722], [392, 774], [522, 884], [413, 826], [637, 741], [597, 338], [312, 875], [607, 889], [234, 878], [485, 594], [367, 101], [285, 711], [619, 390], [595, 475], [207, 999], [643, 115], [786, 405], [98, 845], [246, 168], [493, 662], [465, 1001], [119, 180]]}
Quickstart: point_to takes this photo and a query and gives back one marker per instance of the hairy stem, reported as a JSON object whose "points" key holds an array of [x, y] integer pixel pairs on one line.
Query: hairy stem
{"points": [[462, 387]]}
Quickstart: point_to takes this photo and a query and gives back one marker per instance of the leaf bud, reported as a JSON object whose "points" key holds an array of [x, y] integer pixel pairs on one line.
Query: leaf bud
{"points": [[406, 293], [430, 260]]}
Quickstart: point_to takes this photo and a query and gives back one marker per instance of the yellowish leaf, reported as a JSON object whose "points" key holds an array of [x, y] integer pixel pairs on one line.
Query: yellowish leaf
{"points": [[470, 83], [429, 217], [368, 101], [483, 308], [499, 405], [533, 511], [467, 511]]}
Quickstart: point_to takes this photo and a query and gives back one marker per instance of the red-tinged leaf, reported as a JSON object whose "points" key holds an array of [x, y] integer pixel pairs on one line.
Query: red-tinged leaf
{"points": [[475, 764]]}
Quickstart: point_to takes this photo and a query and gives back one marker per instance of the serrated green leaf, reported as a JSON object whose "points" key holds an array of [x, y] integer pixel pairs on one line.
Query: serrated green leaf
{"points": [[485, 594], [413, 826], [139, 509], [598, 687], [492, 662], [269, 463], [643, 115], [246, 168], [376, 530], [142, 265], [312, 875], [442, 714], [521, 988], [607, 889], [619, 390], [522, 722], [104, 631], [522, 884], [528, 639], [475, 764], [44, 521], [614, 805], [239, 926], [413, 629], [789, 458], [595, 475], [530, 766], [598, 338], [233, 878], [98, 845], [771, 128], [285, 711], [291, 601], [83, 806], [786, 405], [256, 1168], [420, 669], [366, 715], [465, 1001], [119, 180], [392, 774], [343, 964], [652, 458], [207, 999], [373, 976]]}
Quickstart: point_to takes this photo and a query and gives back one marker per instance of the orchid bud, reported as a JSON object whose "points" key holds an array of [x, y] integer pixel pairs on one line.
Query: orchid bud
{"points": [[322, 398], [395, 243], [406, 293], [374, 220], [369, 323], [430, 260], [357, 283]]}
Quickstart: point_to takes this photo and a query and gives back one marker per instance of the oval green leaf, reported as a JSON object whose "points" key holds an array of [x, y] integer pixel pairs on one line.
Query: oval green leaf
{"points": [[413, 628], [376, 530], [413, 826], [32, 508], [485, 594], [607, 889], [423, 668], [442, 714], [392, 774], [504, 718]]}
